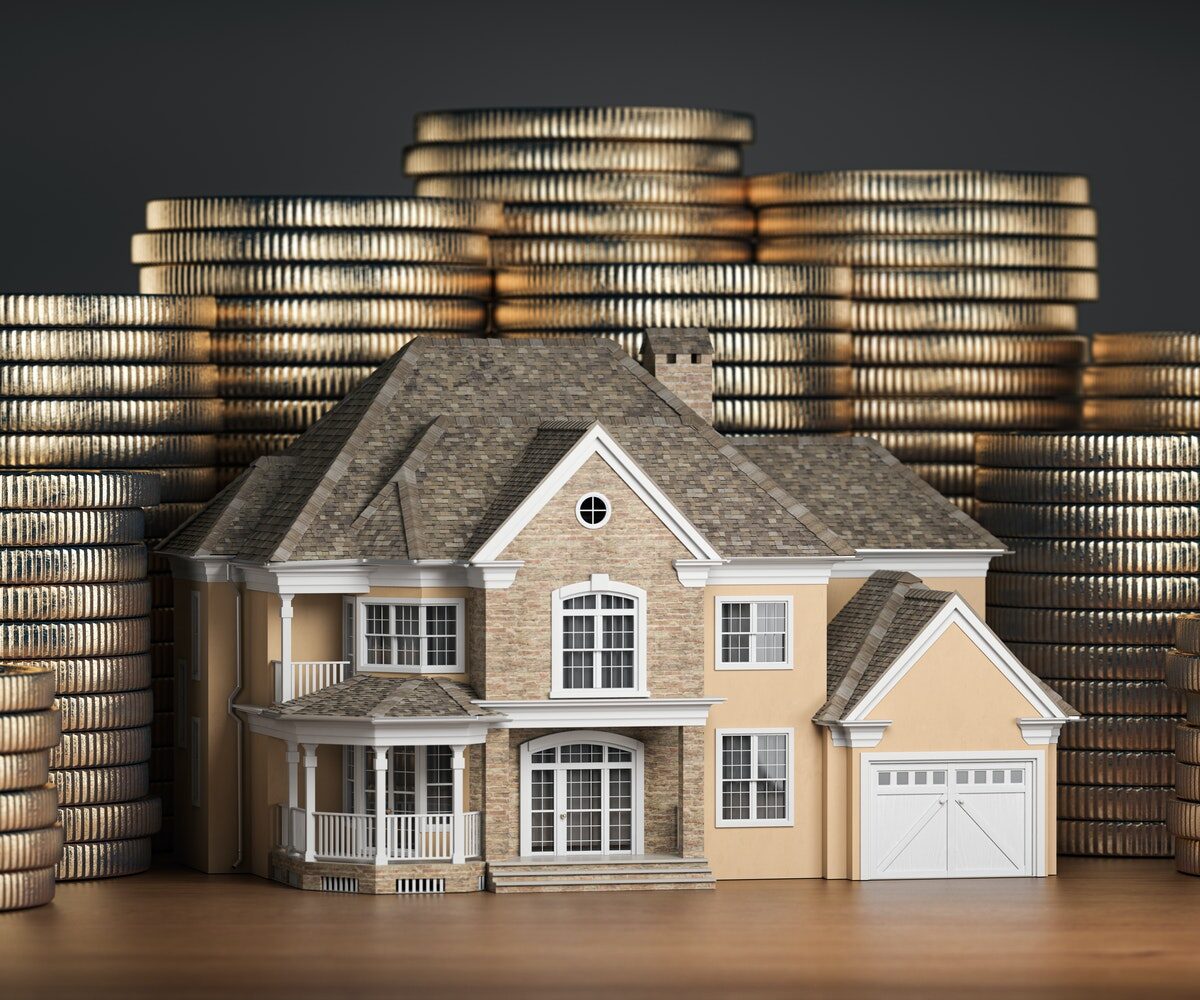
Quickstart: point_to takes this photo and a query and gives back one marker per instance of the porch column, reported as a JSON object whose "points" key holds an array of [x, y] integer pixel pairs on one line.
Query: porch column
{"points": [[458, 833], [381, 846], [310, 801], [285, 646], [293, 762]]}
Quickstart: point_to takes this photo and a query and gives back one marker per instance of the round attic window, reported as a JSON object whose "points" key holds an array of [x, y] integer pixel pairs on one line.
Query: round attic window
{"points": [[593, 510]]}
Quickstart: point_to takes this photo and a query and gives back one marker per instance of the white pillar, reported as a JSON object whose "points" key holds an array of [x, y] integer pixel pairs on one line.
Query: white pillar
{"points": [[293, 762], [310, 801], [285, 645], [381, 846], [458, 833]]}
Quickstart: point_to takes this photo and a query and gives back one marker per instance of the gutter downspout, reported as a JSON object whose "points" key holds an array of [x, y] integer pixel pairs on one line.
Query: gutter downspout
{"points": [[237, 721]]}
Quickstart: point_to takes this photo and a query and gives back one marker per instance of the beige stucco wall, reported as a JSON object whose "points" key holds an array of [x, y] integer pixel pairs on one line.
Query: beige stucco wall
{"points": [[763, 699], [955, 700], [972, 588]]}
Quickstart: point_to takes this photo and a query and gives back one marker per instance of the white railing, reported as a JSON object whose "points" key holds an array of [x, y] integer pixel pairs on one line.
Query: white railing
{"points": [[471, 834], [345, 837], [308, 676], [420, 836], [408, 837]]}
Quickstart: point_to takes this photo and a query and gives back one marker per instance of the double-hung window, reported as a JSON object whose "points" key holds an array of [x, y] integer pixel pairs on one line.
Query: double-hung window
{"points": [[599, 639], [412, 635], [754, 633], [754, 777]]}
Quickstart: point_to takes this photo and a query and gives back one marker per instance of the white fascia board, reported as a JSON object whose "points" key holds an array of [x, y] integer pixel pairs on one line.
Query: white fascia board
{"points": [[694, 573], [779, 570], [958, 612], [857, 735], [497, 575], [203, 569], [920, 562], [593, 713], [353, 576], [364, 731], [597, 441], [1042, 732]]}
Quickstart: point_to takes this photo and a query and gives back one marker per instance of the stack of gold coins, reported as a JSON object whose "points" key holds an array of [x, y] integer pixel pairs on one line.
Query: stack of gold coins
{"points": [[779, 373], [964, 284], [314, 292], [76, 601], [1183, 675], [1143, 381], [1103, 530], [31, 838]]}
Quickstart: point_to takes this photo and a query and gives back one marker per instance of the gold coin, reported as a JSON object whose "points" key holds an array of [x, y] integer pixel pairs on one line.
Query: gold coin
{"points": [[1141, 380], [1074, 555], [1105, 486], [953, 219], [94, 785], [1050, 590], [1129, 804], [1116, 732], [351, 314], [242, 449], [1175, 348], [1040, 284], [318, 279], [42, 491], [571, 155], [164, 518], [1187, 744], [212, 246], [275, 415], [361, 347], [1187, 633], [764, 347], [26, 850], [947, 477], [583, 188], [1091, 662], [118, 451], [107, 310], [629, 220], [1155, 414], [1089, 451], [29, 640], [25, 688], [781, 415], [936, 317], [968, 349], [963, 414], [929, 251], [652, 311], [1187, 856], [111, 820], [22, 890], [41, 602], [973, 381], [1107, 521], [196, 483], [1120, 697], [919, 186], [19, 771], [781, 380], [1103, 628], [928, 446], [333, 212], [1115, 767], [102, 748], [105, 859], [673, 279], [1114, 840], [111, 415], [613, 122], [1183, 819], [1183, 669], [84, 346], [70, 527], [311, 381], [83, 675], [32, 808], [529, 251], [77, 564], [630, 341], [1187, 782], [92, 381], [110, 710]]}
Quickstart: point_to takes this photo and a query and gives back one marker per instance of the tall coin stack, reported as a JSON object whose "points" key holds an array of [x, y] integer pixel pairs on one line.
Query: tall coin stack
{"points": [[964, 284], [1143, 381], [77, 601], [1183, 675], [313, 293], [1103, 531], [31, 838]]}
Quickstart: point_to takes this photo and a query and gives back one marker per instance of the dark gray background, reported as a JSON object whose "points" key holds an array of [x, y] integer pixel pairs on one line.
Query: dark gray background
{"points": [[107, 104]]}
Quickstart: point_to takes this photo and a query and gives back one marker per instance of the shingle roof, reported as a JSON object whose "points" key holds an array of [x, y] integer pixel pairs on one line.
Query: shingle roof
{"points": [[369, 696], [864, 493], [429, 454]]}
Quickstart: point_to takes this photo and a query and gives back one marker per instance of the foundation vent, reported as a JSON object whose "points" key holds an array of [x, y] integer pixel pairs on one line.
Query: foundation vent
{"points": [[411, 886], [339, 883]]}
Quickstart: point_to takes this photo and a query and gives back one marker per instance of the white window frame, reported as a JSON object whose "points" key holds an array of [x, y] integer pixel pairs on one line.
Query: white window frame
{"points": [[362, 664], [607, 506], [598, 584], [789, 793], [789, 641], [357, 760]]}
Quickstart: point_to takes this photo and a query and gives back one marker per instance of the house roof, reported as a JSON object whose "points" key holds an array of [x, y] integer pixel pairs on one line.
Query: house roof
{"points": [[871, 632], [430, 454], [369, 696], [864, 493]]}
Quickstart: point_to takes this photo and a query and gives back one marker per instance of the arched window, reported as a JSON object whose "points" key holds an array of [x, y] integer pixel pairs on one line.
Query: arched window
{"points": [[599, 645]]}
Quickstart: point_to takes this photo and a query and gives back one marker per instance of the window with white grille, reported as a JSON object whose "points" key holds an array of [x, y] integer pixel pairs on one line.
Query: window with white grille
{"points": [[412, 636], [754, 633], [754, 777], [599, 639]]}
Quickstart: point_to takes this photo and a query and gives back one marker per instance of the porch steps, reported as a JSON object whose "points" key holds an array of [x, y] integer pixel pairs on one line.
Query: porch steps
{"points": [[526, 875]]}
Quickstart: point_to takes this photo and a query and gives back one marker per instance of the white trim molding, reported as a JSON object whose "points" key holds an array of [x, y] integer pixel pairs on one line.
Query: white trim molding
{"points": [[694, 573], [592, 713], [920, 562], [368, 732], [497, 575], [1041, 732], [598, 583], [857, 735], [789, 646], [789, 735], [777, 571]]}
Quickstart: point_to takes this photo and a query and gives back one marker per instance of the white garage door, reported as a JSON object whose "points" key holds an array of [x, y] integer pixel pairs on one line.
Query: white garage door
{"points": [[953, 818]]}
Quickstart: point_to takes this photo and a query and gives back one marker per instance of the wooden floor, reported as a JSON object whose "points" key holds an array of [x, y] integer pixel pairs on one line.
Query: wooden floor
{"points": [[1102, 928]]}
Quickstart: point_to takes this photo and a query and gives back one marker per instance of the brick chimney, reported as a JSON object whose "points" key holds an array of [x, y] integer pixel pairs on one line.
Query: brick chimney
{"points": [[681, 359]]}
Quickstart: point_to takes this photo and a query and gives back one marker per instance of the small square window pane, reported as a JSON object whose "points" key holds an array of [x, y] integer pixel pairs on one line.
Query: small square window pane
{"points": [[901, 777], [981, 777], [885, 777], [939, 777], [962, 777], [997, 777], [1017, 776], [922, 778]]}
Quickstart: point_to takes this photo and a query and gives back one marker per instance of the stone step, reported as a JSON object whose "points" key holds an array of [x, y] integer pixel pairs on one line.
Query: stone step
{"points": [[594, 864], [525, 873], [613, 882]]}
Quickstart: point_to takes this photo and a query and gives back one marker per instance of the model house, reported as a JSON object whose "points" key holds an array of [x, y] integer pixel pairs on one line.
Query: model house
{"points": [[514, 616]]}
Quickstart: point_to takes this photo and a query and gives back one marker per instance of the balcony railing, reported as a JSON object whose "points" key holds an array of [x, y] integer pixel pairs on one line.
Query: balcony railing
{"points": [[307, 676], [407, 837]]}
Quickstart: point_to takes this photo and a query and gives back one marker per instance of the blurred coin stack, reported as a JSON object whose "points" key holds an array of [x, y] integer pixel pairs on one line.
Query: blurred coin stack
{"points": [[1103, 530], [964, 284], [76, 601], [1143, 381], [1183, 675], [31, 838], [314, 292]]}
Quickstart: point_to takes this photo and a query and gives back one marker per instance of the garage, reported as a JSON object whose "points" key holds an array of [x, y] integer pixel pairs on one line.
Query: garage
{"points": [[973, 816]]}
